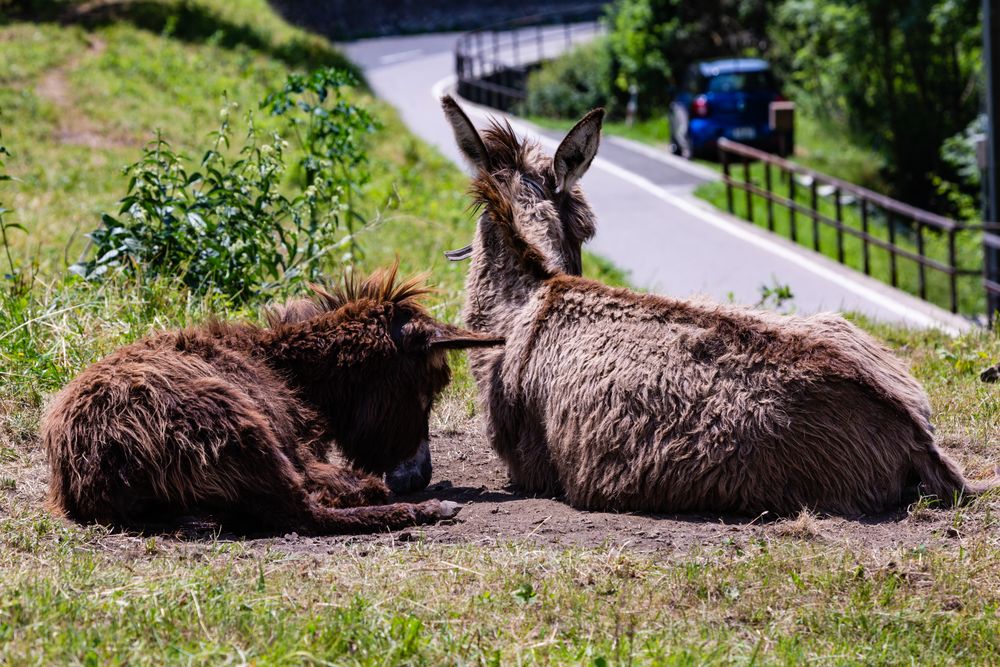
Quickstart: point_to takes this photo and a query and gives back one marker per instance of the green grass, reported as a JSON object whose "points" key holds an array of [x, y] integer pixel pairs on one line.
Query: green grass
{"points": [[72, 595], [770, 601], [824, 148], [818, 146]]}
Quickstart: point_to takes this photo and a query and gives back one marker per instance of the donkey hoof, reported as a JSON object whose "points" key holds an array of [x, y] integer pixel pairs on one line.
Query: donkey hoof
{"points": [[413, 474], [449, 509]]}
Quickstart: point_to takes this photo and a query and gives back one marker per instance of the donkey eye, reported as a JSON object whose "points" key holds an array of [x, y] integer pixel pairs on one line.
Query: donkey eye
{"points": [[534, 185]]}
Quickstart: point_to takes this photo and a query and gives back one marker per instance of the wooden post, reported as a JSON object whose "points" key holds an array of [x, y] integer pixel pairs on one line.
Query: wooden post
{"points": [[991, 239]]}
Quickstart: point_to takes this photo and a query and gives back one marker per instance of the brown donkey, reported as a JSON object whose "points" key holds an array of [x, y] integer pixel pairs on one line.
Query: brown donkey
{"points": [[236, 421], [627, 401]]}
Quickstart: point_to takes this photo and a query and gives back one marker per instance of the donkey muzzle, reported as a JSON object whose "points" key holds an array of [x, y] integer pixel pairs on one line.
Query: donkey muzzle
{"points": [[412, 475]]}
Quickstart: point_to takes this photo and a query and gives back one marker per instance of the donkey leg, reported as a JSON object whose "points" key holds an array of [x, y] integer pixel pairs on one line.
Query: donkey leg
{"points": [[255, 483], [382, 517], [284, 502], [338, 486], [413, 474], [277, 497]]}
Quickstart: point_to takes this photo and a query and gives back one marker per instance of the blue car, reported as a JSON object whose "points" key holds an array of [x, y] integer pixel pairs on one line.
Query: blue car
{"points": [[725, 98]]}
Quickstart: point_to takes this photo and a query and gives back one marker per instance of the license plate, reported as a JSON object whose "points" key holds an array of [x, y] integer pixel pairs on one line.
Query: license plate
{"points": [[744, 133]]}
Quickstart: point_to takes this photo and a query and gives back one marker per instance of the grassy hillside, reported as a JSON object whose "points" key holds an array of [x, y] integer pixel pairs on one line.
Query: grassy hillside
{"points": [[77, 102]]}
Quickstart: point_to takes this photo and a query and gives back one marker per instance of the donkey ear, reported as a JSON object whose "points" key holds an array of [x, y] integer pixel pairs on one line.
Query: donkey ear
{"points": [[466, 134], [577, 150], [447, 337]]}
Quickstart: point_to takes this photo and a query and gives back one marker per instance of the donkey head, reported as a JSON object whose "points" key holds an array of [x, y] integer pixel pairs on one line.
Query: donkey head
{"points": [[553, 213], [372, 360]]}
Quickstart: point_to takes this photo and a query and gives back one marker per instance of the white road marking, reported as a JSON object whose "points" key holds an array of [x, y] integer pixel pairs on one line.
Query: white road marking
{"points": [[800, 259], [391, 58]]}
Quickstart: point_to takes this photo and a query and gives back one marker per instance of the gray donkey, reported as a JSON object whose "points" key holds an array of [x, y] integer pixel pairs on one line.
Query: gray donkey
{"points": [[627, 401]]}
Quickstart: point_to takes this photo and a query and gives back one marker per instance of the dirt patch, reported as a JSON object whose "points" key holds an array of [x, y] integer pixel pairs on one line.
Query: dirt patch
{"points": [[467, 471], [75, 128]]}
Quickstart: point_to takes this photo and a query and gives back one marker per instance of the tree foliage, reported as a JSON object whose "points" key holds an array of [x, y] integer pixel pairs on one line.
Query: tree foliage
{"points": [[899, 75], [653, 40]]}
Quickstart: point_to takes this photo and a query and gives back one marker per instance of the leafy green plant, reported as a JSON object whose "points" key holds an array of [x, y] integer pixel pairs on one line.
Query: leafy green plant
{"points": [[653, 40], [331, 130], [12, 277], [525, 593], [229, 225], [774, 295], [866, 67]]}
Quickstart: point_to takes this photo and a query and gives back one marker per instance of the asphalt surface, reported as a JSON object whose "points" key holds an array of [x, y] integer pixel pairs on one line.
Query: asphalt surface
{"points": [[649, 223]]}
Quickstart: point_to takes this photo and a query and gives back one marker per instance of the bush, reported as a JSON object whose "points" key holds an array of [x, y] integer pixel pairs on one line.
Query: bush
{"points": [[227, 225], [572, 85], [653, 40]]}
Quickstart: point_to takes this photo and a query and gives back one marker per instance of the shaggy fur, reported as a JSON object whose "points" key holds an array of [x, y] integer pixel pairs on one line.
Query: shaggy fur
{"points": [[237, 421], [624, 401], [991, 374]]}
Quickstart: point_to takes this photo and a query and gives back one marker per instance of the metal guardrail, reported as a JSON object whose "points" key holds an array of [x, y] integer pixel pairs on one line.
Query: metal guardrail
{"points": [[492, 63], [869, 204]]}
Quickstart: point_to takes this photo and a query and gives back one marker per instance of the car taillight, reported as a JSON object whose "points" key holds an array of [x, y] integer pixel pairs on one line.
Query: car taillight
{"points": [[778, 97], [699, 107]]}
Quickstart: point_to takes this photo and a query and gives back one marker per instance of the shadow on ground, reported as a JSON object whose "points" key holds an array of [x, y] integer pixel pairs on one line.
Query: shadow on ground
{"points": [[494, 513]]}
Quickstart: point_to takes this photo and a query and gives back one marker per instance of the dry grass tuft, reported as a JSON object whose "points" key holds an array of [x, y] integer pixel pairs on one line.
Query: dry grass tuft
{"points": [[806, 526]]}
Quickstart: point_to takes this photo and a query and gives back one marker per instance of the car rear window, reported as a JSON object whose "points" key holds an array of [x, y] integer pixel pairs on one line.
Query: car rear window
{"points": [[731, 82]]}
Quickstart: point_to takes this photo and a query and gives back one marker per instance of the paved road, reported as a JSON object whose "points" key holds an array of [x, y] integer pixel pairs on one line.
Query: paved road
{"points": [[649, 224]]}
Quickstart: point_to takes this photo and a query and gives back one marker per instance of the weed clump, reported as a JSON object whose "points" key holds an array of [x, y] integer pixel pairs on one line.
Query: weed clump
{"points": [[242, 226]]}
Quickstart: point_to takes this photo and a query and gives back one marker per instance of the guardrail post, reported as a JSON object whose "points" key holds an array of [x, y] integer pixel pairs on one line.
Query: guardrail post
{"points": [[746, 187], [953, 262], [793, 224], [727, 179], [991, 246], [770, 202], [814, 205], [921, 269], [891, 223], [840, 226], [865, 253]]}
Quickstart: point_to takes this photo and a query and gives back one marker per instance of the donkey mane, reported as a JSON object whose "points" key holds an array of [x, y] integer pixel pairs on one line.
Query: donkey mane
{"points": [[505, 148], [381, 287], [498, 198]]}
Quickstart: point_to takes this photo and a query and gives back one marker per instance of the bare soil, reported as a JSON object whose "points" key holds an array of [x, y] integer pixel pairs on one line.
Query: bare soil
{"points": [[467, 471]]}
